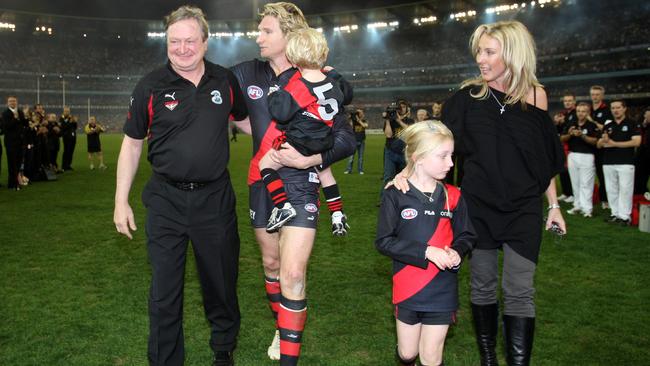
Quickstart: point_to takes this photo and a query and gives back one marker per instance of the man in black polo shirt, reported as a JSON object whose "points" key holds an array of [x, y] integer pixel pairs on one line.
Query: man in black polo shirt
{"points": [[620, 137], [182, 109], [600, 114], [581, 136]]}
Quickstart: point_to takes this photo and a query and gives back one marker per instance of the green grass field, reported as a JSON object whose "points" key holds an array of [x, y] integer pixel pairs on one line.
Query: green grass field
{"points": [[73, 292]]}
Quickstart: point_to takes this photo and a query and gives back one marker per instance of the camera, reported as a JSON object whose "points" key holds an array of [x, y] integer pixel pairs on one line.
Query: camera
{"points": [[391, 111]]}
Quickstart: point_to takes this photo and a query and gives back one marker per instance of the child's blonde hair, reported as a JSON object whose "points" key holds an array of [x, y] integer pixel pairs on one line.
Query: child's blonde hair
{"points": [[307, 48], [421, 138]]}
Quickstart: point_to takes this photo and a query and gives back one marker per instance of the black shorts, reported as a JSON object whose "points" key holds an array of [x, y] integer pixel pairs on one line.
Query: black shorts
{"points": [[412, 317], [304, 197]]}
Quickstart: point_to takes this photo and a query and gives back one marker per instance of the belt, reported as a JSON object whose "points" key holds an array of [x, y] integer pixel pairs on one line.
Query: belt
{"points": [[183, 186]]}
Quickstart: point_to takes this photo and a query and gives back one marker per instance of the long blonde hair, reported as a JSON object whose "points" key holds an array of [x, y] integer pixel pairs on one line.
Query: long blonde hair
{"points": [[518, 54], [421, 138]]}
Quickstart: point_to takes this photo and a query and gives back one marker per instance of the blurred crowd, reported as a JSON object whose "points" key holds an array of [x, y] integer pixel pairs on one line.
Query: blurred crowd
{"points": [[40, 144]]}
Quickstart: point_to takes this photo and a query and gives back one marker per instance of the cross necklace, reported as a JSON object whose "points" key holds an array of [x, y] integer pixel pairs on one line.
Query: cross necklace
{"points": [[503, 106]]}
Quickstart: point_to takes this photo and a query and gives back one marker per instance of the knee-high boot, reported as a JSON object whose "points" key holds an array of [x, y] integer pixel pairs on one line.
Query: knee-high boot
{"points": [[486, 323], [519, 332]]}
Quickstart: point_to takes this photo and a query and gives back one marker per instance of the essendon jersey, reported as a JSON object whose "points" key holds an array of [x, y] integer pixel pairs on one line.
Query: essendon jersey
{"points": [[257, 80], [410, 222], [305, 111]]}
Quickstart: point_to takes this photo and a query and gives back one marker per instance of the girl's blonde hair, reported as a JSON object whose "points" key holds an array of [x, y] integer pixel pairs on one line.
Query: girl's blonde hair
{"points": [[288, 14], [307, 48], [421, 138], [518, 54]]}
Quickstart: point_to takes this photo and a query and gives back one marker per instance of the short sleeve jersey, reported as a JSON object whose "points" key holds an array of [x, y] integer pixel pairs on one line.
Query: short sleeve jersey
{"points": [[257, 80], [410, 222], [186, 126], [577, 144], [623, 131], [602, 114]]}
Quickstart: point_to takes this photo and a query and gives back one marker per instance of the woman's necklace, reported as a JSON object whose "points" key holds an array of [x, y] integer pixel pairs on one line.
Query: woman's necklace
{"points": [[503, 106]]}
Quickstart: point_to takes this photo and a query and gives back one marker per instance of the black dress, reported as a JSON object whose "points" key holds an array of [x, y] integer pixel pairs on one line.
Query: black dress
{"points": [[510, 158]]}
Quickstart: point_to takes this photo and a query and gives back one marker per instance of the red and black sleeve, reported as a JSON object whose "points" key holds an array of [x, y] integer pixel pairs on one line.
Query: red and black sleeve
{"points": [[464, 234], [282, 106]]}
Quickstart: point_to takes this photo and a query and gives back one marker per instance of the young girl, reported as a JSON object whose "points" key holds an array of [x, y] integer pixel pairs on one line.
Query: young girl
{"points": [[427, 232]]}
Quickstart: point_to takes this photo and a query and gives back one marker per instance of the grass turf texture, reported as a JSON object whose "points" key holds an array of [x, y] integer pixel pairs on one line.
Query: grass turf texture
{"points": [[73, 292]]}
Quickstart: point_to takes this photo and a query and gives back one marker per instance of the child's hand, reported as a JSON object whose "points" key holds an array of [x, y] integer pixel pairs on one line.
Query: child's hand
{"points": [[439, 257], [453, 256]]}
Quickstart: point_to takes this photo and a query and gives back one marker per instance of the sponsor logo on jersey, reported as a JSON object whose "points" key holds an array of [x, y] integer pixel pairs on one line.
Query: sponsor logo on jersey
{"points": [[309, 114], [254, 92], [171, 95], [409, 213], [599, 114], [274, 88], [216, 97], [311, 218], [171, 104], [251, 213], [448, 214], [131, 101], [430, 212], [584, 131], [310, 207], [313, 177], [624, 128]]}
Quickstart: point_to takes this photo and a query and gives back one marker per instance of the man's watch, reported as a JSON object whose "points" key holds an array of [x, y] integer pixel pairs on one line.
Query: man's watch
{"points": [[552, 206]]}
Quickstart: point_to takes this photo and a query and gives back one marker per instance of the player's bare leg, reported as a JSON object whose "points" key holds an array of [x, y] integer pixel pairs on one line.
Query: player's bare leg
{"points": [[270, 247]]}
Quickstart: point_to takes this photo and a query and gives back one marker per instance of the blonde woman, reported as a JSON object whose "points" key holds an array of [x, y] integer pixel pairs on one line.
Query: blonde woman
{"points": [[512, 154], [426, 232]]}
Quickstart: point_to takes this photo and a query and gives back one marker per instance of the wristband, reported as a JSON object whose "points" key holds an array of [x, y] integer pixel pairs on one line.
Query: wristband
{"points": [[552, 206]]}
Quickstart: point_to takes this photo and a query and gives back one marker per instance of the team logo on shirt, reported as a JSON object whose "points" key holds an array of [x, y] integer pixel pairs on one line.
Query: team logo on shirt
{"points": [[310, 207], [254, 92], [171, 104], [599, 114], [409, 213], [624, 128], [584, 131]]}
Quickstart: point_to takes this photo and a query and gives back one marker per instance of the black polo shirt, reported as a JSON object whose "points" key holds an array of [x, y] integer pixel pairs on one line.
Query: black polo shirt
{"points": [[577, 144], [620, 132], [602, 114], [186, 126]]}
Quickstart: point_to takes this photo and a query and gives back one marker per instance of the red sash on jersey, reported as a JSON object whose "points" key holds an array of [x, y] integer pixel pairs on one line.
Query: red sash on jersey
{"points": [[410, 279]]}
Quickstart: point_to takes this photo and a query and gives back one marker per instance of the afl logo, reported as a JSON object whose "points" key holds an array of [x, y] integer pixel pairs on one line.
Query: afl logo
{"points": [[409, 213], [310, 207], [254, 92]]}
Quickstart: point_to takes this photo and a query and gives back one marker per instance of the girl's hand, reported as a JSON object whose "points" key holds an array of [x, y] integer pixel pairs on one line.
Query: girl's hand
{"points": [[439, 257]]}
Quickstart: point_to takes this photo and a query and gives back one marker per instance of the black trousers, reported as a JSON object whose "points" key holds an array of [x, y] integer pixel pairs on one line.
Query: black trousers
{"points": [[602, 192], [207, 218], [69, 143], [641, 170], [14, 158]]}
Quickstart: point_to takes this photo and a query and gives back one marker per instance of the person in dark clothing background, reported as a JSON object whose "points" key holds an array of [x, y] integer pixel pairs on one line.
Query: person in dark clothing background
{"points": [[14, 123], [69, 126]]}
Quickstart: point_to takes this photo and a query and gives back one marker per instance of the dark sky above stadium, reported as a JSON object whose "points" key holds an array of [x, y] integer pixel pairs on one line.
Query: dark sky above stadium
{"points": [[152, 9]]}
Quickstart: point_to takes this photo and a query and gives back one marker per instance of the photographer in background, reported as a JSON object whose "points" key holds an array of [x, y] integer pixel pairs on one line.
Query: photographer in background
{"points": [[396, 118], [359, 125]]}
